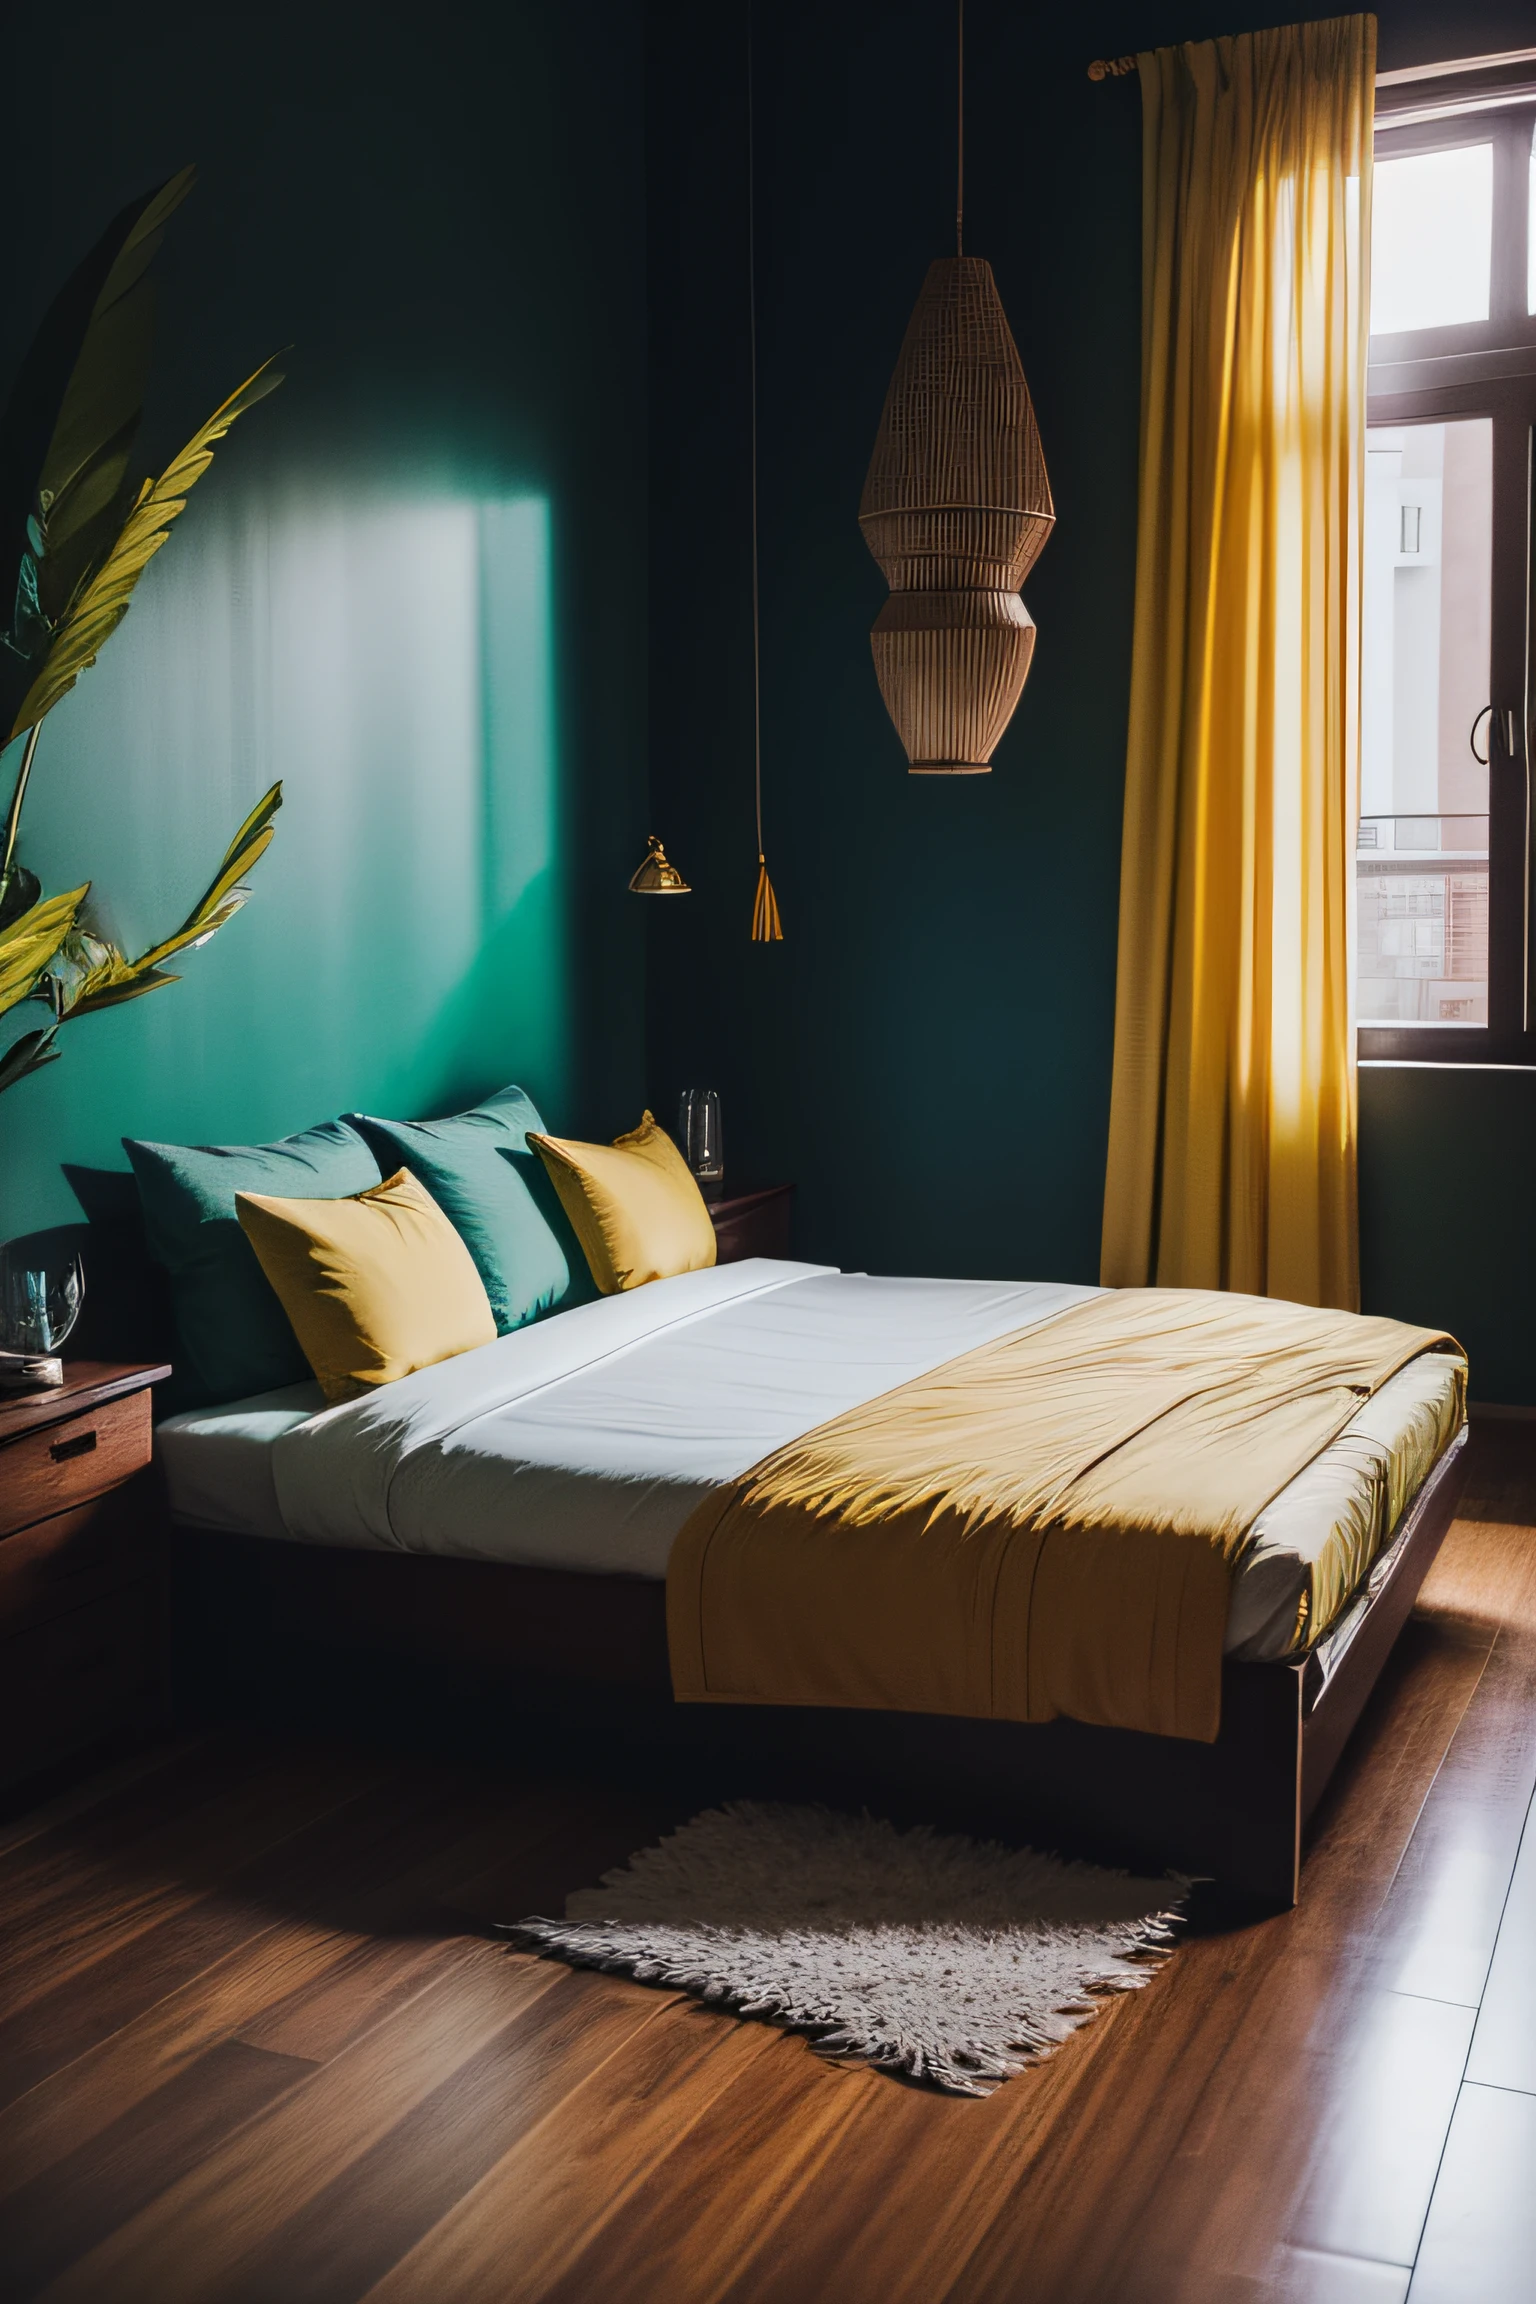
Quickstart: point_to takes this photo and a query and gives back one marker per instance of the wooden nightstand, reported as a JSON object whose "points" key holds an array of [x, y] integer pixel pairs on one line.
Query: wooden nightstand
{"points": [[82, 1574], [752, 1223]]}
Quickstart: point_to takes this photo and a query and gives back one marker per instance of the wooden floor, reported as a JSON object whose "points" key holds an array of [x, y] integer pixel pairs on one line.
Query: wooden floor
{"points": [[256, 2045]]}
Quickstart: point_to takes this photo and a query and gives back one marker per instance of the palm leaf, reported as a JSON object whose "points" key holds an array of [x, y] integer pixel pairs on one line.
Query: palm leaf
{"points": [[222, 899], [101, 601], [18, 894], [107, 977], [28, 1054], [68, 430], [27, 946], [101, 975], [96, 973]]}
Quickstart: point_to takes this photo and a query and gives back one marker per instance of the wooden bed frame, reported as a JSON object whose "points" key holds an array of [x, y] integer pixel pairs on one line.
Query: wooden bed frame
{"points": [[592, 1650]]}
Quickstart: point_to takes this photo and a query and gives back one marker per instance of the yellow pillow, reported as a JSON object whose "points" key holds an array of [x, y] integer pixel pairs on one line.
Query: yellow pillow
{"points": [[633, 1205], [375, 1285]]}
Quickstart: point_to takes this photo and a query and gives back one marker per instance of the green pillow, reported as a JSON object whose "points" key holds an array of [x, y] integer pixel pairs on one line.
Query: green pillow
{"points": [[232, 1335], [469, 1164]]}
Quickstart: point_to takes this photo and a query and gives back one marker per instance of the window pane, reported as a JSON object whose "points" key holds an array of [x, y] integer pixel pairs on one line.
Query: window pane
{"points": [[1431, 239], [1423, 853]]}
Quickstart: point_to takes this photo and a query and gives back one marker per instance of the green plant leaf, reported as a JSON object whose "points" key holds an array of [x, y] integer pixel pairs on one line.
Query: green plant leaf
{"points": [[97, 973], [101, 600], [27, 1054], [222, 898], [68, 429], [105, 976], [19, 894], [112, 994], [28, 945]]}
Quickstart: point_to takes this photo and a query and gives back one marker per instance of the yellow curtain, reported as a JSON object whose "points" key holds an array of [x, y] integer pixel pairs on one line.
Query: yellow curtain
{"points": [[1232, 1122]]}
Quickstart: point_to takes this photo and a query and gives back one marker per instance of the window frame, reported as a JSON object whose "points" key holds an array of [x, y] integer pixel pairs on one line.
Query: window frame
{"points": [[1488, 369]]}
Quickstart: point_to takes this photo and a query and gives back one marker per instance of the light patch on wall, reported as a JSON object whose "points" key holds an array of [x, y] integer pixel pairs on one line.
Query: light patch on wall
{"points": [[518, 976], [404, 949]]}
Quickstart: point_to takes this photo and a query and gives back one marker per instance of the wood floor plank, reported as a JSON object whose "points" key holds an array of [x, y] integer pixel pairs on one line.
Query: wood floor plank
{"points": [[1364, 1828], [326, 1864], [297, 1988], [1436, 1932], [374, 2211], [1204, 2159], [716, 2212], [1499, 1486], [55, 2028], [186, 2245], [365, 1979], [590, 1833], [1379, 2149], [122, 1806], [46, 2224], [1479, 2244], [1504, 2044], [123, 1782], [162, 1820], [102, 2086], [1305, 2277], [578, 2171], [1486, 1568], [101, 1899]]}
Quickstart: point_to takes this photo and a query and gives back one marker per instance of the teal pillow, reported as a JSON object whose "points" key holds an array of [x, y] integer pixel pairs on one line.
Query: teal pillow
{"points": [[232, 1334], [469, 1164]]}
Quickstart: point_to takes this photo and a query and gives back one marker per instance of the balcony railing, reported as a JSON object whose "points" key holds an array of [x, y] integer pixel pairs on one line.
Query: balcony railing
{"points": [[1422, 887]]}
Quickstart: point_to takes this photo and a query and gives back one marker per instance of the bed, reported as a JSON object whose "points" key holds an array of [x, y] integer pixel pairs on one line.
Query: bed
{"points": [[527, 1499]]}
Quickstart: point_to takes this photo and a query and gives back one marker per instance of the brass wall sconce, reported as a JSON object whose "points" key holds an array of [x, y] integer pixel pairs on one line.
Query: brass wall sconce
{"points": [[657, 876]]}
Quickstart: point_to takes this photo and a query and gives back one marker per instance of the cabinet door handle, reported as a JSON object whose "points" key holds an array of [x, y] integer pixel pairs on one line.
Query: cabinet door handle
{"points": [[80, 1445]]}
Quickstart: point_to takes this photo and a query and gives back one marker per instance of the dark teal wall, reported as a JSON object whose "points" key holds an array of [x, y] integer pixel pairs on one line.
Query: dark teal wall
{"points": [[929, 1051], [413, 585], [1447, 1215]]}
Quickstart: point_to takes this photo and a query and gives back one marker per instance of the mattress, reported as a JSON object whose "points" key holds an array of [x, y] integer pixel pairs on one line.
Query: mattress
{"points": [[585, 1441]]}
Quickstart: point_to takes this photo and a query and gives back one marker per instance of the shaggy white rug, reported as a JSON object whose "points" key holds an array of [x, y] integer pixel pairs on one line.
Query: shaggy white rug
{"points": [[953, 1961]]}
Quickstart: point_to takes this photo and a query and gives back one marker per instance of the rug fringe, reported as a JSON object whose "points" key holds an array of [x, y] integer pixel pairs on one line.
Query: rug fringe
{"points": [[951, 1962]]}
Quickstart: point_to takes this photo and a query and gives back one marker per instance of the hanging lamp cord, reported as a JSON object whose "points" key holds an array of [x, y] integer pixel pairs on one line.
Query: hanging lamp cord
{"points": [[960, 135], [757, 652], [767, 927]]}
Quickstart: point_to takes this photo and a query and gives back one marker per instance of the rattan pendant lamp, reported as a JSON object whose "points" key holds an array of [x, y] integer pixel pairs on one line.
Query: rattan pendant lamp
{"points": [[956, 510]]}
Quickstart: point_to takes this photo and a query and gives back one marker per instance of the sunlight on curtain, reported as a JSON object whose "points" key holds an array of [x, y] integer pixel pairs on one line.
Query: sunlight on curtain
{"points": [[1232, 1123]]}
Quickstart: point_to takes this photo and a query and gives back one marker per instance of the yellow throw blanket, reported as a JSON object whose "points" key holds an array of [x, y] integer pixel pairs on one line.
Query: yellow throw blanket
{"points": [[1046, 1525]]}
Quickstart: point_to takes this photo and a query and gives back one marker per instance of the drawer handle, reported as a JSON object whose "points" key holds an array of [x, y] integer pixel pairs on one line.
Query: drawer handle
{"points": [[80, 1445]]}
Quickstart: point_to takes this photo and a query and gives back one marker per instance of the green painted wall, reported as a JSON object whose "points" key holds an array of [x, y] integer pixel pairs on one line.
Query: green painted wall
{"points": [[413, 585], [929, 1052]]}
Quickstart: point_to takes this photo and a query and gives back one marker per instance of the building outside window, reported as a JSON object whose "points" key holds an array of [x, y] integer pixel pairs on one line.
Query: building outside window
{"points": [[1443, 956]]}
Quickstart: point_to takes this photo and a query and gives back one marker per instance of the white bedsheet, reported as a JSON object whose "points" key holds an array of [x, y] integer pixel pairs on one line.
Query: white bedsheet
{"points": [[585, 1441]]}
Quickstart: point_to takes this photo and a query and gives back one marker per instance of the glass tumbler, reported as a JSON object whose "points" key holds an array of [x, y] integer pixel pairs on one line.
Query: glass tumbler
{"points": [[39, 1305], [698, 1132]]}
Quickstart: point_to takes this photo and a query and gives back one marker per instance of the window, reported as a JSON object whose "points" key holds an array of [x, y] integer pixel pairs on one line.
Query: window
{"points": [[1443, 869], [1432, 239], [1428, 612]]}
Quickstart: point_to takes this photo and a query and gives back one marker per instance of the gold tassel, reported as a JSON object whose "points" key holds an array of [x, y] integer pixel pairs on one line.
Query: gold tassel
{"points": [[767, 928]]}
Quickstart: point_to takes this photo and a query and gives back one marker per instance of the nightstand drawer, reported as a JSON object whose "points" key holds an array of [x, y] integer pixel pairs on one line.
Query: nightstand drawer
{"points": [[59, 1564], [66, 1683], [48, 1470]]}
